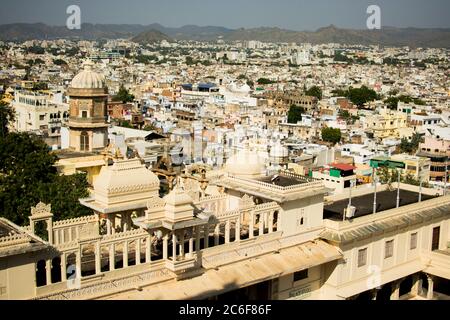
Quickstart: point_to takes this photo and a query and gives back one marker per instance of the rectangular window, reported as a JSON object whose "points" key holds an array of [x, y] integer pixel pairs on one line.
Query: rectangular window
{"points": [[300, 275], [42, 117], [413, 241], [362, 257], [389, 249]]}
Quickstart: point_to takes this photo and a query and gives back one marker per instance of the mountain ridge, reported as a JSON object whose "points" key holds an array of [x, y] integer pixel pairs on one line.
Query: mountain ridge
{"points": [[387, 36]]}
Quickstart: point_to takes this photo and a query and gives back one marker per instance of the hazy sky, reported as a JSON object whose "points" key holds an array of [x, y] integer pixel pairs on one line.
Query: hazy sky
{"points": [[290, 14]]}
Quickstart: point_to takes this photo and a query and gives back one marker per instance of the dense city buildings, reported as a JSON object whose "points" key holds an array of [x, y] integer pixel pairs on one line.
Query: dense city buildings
{"points": [[225, 170]]}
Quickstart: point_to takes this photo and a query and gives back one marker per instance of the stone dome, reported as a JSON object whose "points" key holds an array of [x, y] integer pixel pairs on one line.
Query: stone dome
{"points": [[245, 163], [88, 79], [279, 151], [125, 181]]}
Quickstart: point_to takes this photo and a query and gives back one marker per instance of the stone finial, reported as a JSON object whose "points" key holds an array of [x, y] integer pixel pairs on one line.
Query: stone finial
{"points": [[41, 209]]}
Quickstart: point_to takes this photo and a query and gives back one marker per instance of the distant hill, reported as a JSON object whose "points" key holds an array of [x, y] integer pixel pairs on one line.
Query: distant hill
{"points": [[151, 36], [387, 36]]}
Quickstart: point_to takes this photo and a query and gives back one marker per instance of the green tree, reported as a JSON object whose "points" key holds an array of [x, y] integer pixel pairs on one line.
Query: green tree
{"points": [[295, 113], [360, 96], [123, 95], [314, 91], [7, 116], [410, 146], [264, 81], [331, 135], [126, 124], [28, 175]]}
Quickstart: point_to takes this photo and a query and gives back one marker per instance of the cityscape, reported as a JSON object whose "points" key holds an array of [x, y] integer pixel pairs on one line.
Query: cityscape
{"points": [[216, 163]]}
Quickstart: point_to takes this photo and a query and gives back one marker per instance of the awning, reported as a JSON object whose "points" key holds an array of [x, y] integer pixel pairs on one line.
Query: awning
{"points": [[240, 274]]}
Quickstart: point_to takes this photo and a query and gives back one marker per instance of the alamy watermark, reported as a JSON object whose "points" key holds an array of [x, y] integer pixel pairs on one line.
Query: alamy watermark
{"points": [[73, 22], [374, 20]]}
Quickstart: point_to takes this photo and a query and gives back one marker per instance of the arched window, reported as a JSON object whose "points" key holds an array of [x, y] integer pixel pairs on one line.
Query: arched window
{"points": [[84, 141]]}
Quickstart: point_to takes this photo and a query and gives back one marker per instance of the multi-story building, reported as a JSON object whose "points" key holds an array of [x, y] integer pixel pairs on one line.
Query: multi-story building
{"points": [[40, 113], [387, 124], [438, 151]]}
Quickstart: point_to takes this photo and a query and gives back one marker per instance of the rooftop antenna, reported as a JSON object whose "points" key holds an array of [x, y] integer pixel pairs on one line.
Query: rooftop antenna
{"points": [[375, 191], [398, 188]]}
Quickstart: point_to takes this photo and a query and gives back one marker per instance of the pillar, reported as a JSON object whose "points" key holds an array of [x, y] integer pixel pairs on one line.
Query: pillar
{"points": [[416, 288], [112, 262], [227, 231], [430, 292], [395, 294], [63, 267], [98, 258], [108, 225], [261, 224], [63, 231], [165, 246], [125, 254], [191, 246], [174, 246], [148, 248], [48, 272], [182, 244], [216, 234], [137, 255], [271, 222], [50, 230], [70, 233], [56, 236], [78, 263], [77, 233], [251, 226]]}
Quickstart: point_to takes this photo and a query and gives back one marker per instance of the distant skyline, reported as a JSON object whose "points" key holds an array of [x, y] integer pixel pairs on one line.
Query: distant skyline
{"points": [[300, 15]]}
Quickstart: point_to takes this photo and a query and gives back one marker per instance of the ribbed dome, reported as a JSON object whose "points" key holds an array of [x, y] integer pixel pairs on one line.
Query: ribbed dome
{"points": [[88, 79], [245, 163]]}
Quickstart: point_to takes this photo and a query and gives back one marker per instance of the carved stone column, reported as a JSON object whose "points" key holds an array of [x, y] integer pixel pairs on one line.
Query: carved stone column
{"points": [[251, 225], [395, 294], [112, 254], [416, 288], [137, 255], [261, 224], [216, 234], [182, 244], [174, 246], [148, 249], [271, 222], [125, 253], [63, 267], [48, 272], [165, 246], [430, 291], [227, 231], [98, 258]]}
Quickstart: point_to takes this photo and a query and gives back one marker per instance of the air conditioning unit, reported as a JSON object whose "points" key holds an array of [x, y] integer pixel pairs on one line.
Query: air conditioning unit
{"points": [[350, 212]]}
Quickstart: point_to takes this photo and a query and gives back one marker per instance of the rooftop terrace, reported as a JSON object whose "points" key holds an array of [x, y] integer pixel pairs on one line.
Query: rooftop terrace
{"points": [[364, 204]]}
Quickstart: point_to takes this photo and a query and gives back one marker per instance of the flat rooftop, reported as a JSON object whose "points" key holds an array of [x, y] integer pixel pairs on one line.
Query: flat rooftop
{"points": [[284, 180], [364, 204], [69, 154]]}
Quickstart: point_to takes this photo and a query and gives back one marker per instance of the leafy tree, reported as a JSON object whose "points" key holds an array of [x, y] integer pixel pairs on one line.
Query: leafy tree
{"points": [[40, 86], [63, 194], [295, 113], [314, 91], [59, 62], [360, 96], [123, 95], [331, 135], [28, 175], [410, 146], [7, 116], [126, 124]]}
